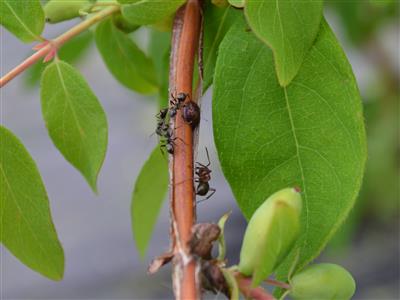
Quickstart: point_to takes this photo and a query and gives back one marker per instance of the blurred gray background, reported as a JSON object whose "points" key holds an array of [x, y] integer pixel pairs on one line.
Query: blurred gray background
{"points": [[101, 259]]}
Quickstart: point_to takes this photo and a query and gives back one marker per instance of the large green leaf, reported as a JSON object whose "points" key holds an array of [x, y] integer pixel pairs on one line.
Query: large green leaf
{"points": [[70, 52], [147, 198], [289, 27], [146, 12], [25, 19], [217, 22], [26, 226], [125, 60], [309, 134], [75, 119]]}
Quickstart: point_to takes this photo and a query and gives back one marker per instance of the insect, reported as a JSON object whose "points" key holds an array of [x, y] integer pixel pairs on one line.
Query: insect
{"points": [[162, 122], [191, 113], [204, 176], [176, 102], [168, 142]]}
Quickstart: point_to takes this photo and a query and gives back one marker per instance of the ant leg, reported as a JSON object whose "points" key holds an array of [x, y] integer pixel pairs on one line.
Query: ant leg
{"points": [[208, 158], [212, 190]]}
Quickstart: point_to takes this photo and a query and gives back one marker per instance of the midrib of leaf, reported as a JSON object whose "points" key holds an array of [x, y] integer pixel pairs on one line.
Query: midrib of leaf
{"points": [[216, 37], [298, 159], [20, 21], [23, 217], [283, 40], [69, 102]]}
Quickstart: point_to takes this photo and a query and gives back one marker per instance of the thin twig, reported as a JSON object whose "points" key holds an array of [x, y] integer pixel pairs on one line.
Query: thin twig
{"points": [[57, 42], [185, 275]]}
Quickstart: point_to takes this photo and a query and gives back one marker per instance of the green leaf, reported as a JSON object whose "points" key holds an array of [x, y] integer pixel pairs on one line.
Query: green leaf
{"points": [[70, 52], [159, 51], [146, 12], [147, 198], [74, 118], [27, 229], [217, 22], [289, 27], [125, 60], [24, 19], [309, 134]]}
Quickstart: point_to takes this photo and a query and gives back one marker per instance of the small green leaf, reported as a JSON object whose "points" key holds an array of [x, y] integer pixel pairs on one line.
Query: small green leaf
{"points": [[24, 19], [70, 52], [217, 22], [147, 198], [159, 51], [27, 229], [309, 134], [289, 27], [232, 283], [270, 234], [145, 12], [74, 118], [125, 60]]}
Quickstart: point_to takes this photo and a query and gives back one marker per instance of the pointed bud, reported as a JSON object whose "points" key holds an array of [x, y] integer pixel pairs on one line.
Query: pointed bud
{"points": [[270, 234]]}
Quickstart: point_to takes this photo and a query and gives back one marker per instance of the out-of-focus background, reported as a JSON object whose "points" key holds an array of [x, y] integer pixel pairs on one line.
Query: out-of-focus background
{"points": [[101, 259]]}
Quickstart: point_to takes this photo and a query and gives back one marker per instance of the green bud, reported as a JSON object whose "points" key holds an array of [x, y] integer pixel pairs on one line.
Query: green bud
{"points": [[322, 282], [237, 3], [122, 24], [61, 10], [270, 234]]}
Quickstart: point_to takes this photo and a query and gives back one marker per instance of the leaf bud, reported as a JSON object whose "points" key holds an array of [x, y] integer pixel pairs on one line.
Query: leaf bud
{"points": [[322, 281], [270, 234]]}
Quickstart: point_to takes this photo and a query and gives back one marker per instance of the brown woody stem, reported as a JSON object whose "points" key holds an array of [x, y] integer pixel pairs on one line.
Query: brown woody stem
{"points": [[185, 40], [57, 42]]}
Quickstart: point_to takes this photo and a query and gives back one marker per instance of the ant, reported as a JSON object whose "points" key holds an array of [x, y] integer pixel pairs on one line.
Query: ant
{"points": [[176, 102], [203, 173], [169, 141], [162, 122]]}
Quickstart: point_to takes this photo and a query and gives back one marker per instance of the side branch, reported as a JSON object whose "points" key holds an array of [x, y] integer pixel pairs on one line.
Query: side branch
{"points": [[186, 40], [57, 42]]}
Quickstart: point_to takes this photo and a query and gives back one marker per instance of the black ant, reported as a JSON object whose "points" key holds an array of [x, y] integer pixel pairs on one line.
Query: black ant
{"points": [[169, 141], [176, 102], [203, 173], [162, 122]]}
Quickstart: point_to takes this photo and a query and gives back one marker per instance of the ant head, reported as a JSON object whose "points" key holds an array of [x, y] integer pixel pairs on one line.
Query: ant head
{"points": [[181, 97]]}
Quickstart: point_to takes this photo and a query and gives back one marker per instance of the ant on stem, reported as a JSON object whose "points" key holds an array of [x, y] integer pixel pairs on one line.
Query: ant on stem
{"points": [[204, 176]]}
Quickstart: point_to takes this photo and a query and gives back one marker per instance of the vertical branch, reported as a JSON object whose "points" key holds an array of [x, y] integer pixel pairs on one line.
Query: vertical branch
{"points": [[184, 48]]}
